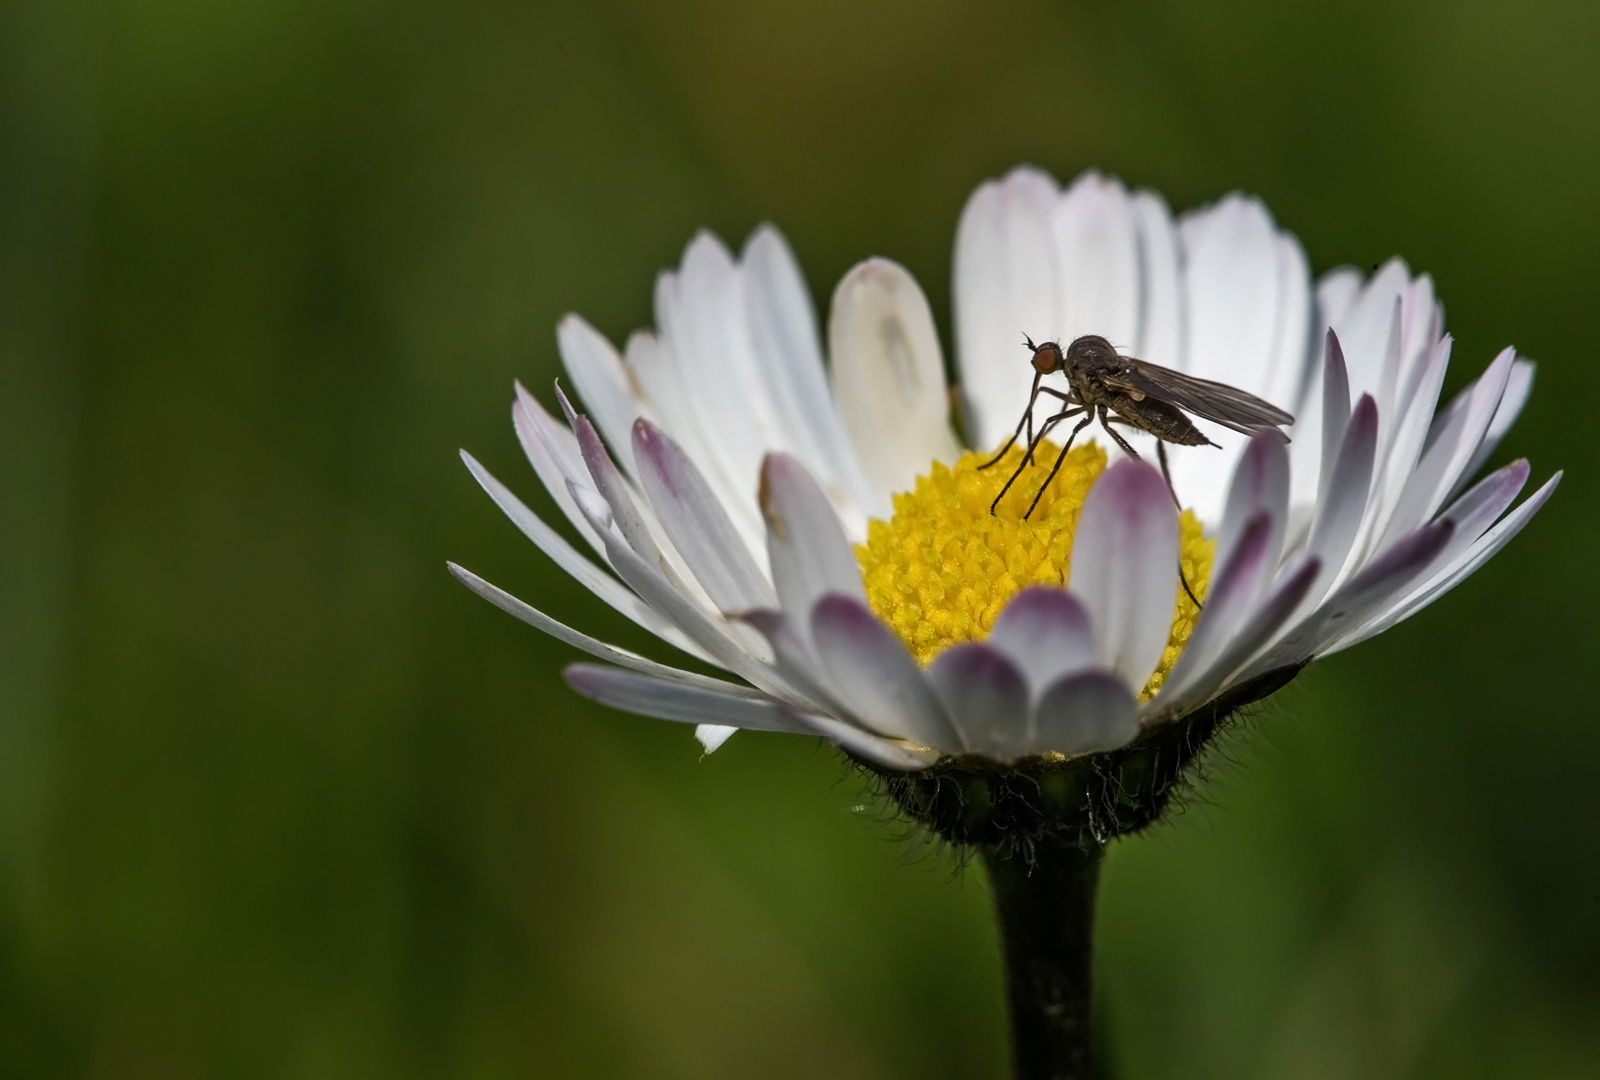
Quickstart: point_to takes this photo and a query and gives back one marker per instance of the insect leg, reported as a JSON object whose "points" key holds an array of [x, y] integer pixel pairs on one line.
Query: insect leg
{"points": [[1027, 418], [1166, 474], [1032, 445], [1062, 415], [1085, 422], [1105, 422], [1056, 419]]}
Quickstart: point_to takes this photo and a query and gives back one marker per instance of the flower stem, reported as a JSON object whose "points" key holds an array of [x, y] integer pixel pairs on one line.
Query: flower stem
{"points": [[1044, 903]]}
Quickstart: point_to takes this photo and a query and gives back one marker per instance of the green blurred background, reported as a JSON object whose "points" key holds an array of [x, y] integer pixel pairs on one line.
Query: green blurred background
{"points": [[279, 798]]}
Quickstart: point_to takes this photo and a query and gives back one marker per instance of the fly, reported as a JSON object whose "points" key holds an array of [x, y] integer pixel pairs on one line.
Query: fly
{"points": [[1133, 393]]}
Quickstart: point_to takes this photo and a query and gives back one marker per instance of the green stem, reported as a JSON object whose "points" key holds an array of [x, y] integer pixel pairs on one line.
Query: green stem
{"points": [[1044, 903]]}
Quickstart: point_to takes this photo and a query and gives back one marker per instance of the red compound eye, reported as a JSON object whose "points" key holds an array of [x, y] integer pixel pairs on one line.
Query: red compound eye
{"points": [[1047, 358]]}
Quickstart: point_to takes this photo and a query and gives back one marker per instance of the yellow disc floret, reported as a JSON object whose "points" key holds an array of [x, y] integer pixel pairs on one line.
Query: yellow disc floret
{"points": [[943, 567]]}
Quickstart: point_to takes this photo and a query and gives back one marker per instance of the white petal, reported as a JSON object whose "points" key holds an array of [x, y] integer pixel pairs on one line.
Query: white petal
{"points": [[697, 524], [1045, 631], [1309, 445], [986, 698], [805, 545], [1240, 298], [783, 325], [1125, 567], [873, 675], [1365, 326], [1005, 286], [888, 377], [712, 736], [1085, 712], [572, 561], [701, 318], [1234, 285], [1292, 353], [1097, 262], [594, 647], [1161, 329], [1421, 327], [605, 385], [1336, 291]]}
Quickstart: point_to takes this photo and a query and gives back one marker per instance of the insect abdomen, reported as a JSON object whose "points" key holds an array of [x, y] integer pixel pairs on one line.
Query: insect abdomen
{"points": [[1165, 421]]}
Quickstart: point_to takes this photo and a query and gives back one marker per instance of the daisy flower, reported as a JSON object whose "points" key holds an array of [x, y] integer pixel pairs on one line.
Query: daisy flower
{"points": [[817, 530]]}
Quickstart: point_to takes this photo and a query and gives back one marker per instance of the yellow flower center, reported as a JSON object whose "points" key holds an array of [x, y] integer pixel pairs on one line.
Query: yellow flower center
{"points": [[943, 567]]}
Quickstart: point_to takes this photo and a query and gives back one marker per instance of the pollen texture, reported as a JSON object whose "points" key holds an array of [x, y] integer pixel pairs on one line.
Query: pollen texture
{"points": [[943, 567]]}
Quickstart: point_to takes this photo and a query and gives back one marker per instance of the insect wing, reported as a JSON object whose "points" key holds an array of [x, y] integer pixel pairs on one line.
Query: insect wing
{"points": [[1219, 402]]}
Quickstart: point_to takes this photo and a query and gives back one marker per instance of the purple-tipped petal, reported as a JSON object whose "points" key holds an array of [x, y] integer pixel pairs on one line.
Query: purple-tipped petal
{"points": [[1380, 581], [1461, 567], [1344, 503], [612, 396], [986, 698], [889, 753], [1045, 631], [1400, 460], [552, 450], [576, 638], [1481, 507], [1452, 444], [1260, 484], [1269, 616], [697, 524], [793, 656], [570, 559], [1125, 567], [1335, 407], [1085, 712], [873, 676], [612, 488], [1519, 384], [710, 634], [711, 710], [648, 696], [806, 546]]}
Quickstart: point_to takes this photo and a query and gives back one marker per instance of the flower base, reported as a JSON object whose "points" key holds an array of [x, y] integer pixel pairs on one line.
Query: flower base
{"points": [[1040, 827]]}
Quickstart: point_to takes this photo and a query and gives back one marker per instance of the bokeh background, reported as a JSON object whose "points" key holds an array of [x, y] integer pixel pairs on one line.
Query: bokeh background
{"points": [[280, 799]]}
